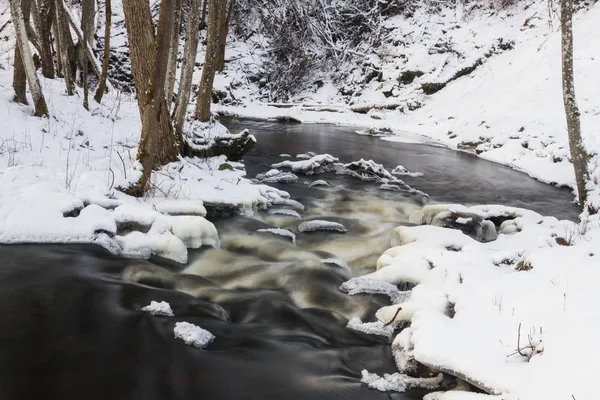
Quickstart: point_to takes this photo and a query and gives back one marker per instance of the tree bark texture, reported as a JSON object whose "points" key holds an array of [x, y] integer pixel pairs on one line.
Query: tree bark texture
{"points": [[43, 15], [106, 55], [216, 17], [140, 34], [173, 52], [19, 75], [157, 143], [223, 38], [39, 103], [88, 18], [187, 68], [579, 155]]}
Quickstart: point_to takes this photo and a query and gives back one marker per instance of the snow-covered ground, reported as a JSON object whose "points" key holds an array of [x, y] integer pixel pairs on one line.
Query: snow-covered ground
{"points": [[60, 179], [516, 316]]}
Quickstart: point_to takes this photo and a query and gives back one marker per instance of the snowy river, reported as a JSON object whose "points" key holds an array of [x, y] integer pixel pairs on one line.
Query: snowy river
{"points": [[71, 325]]}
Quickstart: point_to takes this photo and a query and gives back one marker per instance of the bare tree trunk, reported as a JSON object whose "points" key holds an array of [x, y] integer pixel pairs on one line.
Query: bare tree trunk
{"points": [[19, 75], [63, 42], [223, 38], [88, 16], [203, 15], [157, 143], [140, 34], [40, 107], [85, 48], [579, 155], [87, 29], [172, 61], [216, 17], [106, 56], [189, 61], [43, 14]]}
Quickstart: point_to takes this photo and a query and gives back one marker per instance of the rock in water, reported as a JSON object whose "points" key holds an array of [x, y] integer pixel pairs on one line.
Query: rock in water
{"points": [[286, 212], [193, 335], [320, 225], [280, 232], [159, 308], [314, 165]]}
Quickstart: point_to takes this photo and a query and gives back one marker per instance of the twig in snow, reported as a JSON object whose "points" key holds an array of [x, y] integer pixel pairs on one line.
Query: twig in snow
{"points": [[394, 317]]}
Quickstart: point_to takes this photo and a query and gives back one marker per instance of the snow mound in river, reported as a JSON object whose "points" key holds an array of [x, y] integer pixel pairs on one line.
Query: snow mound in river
{"points": [[193, 335]]}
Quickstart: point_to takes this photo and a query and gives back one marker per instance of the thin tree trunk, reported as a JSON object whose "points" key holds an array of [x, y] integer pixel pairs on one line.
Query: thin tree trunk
{"points": [[579, 155], [19, 75], [189, 61], [43, 15], [203, 15], [106, 56], [172, 61], [223, 38], [216, 16], [157, 143], [39, 103], [87, 17], [63, 45], [56, 49]]}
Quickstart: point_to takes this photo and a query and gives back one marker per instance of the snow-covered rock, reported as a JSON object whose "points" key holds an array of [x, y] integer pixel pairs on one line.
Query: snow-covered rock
{"points": [[280, 232], [315, 165], [371, 328], [192, 334], [321, 225], [402, 171], [159, 308]]}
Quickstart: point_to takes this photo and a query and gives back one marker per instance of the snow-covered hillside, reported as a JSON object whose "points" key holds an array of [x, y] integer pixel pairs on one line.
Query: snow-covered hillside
{"points": [[506, 107]]}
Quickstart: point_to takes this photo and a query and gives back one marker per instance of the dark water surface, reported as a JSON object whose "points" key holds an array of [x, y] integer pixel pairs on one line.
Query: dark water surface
{"points": [[70, 319], [449, 176]]}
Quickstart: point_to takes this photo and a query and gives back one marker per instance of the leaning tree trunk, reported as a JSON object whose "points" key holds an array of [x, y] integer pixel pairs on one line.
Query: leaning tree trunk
{"points": [[106, 56], [223, 38], [63, 44], [172, 60], [187, 69], [19, 75], [216, 17], [157, 143], [39, 103], [579, 155]]}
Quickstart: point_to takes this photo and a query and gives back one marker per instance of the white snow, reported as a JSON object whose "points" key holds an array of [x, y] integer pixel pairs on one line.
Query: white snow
{"points": [[159, 308], [193, 335], [491, 296], [399, 382]]}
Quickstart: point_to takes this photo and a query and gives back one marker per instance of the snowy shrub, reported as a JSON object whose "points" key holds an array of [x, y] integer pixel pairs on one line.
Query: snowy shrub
{"points": [[306, 35]]}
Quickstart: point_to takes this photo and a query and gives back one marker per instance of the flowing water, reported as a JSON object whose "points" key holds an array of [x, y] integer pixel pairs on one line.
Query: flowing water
{"points": [[71, 325]]}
